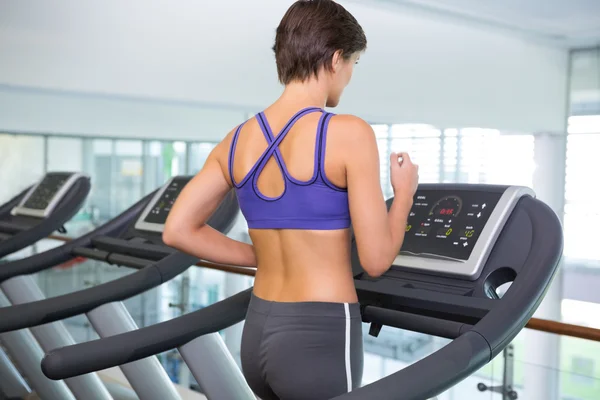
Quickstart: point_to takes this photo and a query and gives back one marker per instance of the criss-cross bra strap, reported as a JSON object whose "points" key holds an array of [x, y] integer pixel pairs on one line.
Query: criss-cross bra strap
{"points": [[272, 144], [274, 141]]}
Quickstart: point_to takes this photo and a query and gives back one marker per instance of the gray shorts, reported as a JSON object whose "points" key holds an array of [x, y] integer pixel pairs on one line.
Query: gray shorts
{"points": [[303, 350]]}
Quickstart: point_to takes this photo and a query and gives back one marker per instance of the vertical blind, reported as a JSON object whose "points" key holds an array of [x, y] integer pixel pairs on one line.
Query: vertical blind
{"points": [[470, 155]]}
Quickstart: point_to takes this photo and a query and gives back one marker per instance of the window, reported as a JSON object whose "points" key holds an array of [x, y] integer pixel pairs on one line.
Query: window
{"points": [[470, 155], [487, 156], [66, 154], [199, 152], [382, 135], [162, 161], [582, 371], [450, 156], [17, 172], [582, 191], [423, 143]]}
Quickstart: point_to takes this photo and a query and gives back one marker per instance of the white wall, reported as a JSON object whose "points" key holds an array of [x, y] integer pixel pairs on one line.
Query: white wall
{"points": [[75, 114], [169, 59]]}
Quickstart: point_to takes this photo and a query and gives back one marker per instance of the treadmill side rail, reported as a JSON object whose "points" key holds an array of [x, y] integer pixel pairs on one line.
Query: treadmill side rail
{"points": [[121, 349], [431, 375]]}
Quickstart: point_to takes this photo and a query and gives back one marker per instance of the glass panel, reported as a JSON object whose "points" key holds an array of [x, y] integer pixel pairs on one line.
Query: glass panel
{"points": [[98, 164], [423, 143], [414, 130], [116, 171], [128, 173], [162, 161], [396, 349], [199, 152], [382, 133], [66, 154], [450, 173], [583, 313], [21, 163], [560, 367], [486, 156], [424, 151], [384, 167]]}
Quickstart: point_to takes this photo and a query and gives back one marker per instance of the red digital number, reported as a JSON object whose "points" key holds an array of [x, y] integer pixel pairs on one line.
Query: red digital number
{"points": [[446, 211]]}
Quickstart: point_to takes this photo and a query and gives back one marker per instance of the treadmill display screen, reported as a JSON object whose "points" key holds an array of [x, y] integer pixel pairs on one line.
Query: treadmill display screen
{"points": [[447, 223], [160, 210], [44, 193]]}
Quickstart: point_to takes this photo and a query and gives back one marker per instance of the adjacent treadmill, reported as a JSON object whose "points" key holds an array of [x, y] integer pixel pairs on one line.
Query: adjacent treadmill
{"points": [[132, 239], [462, 243], [30, 216]]}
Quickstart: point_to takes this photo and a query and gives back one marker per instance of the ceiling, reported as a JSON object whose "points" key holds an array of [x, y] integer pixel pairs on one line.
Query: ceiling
{"points": [[571, 23]]}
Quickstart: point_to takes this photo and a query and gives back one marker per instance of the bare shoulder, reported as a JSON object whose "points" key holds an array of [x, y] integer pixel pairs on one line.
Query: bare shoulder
{"points": [[221, 150], [351, 131], [220, 154]]}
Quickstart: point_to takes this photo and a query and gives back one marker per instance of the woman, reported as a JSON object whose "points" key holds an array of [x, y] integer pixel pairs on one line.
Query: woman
{"points": [[301, 174]]}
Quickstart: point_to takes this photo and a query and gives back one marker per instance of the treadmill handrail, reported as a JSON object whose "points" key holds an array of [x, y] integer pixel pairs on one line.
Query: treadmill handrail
{"points": [[527, 290], [431, 375], [150, 251], [36, 313], [61, 254], [423, 379], [117, 350], [478, 346]]}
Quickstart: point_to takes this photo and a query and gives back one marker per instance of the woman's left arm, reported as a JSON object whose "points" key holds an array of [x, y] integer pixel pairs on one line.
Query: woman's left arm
{"points": [[186, 228]]}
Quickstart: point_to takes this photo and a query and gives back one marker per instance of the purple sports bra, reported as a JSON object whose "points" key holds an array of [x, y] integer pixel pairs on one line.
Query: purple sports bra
{"points": [[314, 204]]}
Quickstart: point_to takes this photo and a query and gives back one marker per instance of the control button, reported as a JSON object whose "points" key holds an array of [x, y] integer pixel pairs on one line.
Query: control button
{"points": [[479, 215], [466, 233], [465, 244], [443, 233], [423, 231], [455, 243], [483, 206], [412, 214]]}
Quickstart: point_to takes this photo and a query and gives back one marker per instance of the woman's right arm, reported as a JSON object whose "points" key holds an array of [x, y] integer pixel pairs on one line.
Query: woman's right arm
{"points": [[379, 233]]}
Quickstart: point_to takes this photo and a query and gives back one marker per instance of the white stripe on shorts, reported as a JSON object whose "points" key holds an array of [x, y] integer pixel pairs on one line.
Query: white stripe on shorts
{"points": [[347, 349]]}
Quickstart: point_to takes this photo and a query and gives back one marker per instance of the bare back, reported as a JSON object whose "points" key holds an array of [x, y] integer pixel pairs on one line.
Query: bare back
{"points": [[296, 264]]}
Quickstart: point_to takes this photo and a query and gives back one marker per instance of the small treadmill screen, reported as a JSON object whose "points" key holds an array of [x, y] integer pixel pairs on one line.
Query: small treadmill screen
{"points": [[446, 223], [45, 191], [160, 210]]}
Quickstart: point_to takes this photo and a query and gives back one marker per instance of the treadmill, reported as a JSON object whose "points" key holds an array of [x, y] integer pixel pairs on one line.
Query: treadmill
{"points": [[30, 216], [462, 243], [132, 239]]}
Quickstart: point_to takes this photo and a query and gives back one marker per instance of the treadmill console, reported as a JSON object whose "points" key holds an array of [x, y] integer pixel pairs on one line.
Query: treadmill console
{"points": [[43, 197], [154, 216], [451, 231]]}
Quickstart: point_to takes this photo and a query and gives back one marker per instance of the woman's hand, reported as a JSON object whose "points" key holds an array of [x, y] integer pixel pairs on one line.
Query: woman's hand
{"points": [[404, 175]]}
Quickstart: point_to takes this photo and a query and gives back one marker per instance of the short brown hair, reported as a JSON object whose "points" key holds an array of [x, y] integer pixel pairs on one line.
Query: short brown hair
{"points": [[308, 36]]}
